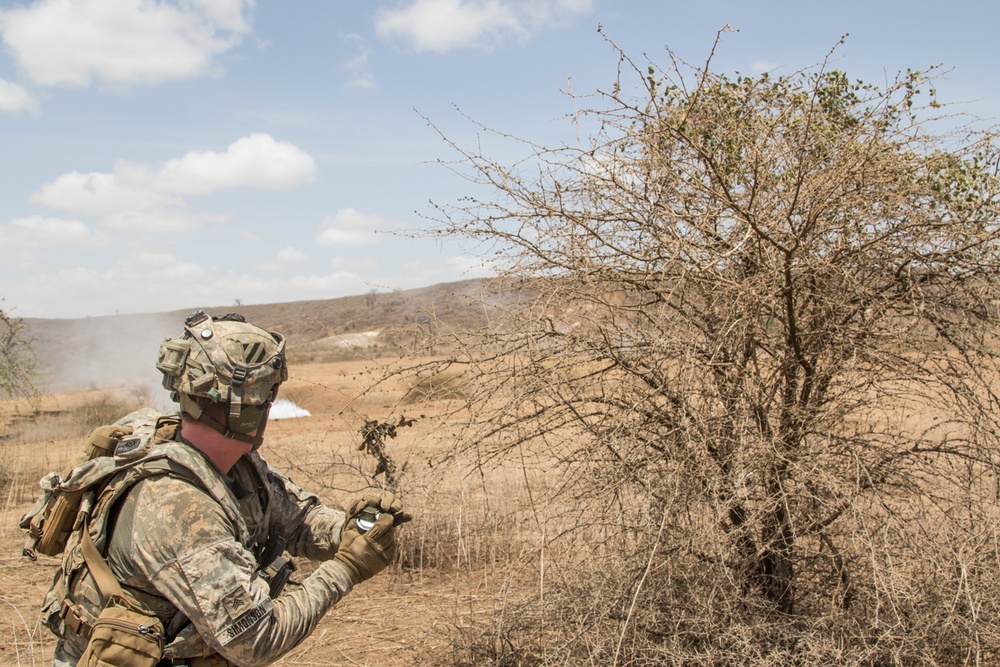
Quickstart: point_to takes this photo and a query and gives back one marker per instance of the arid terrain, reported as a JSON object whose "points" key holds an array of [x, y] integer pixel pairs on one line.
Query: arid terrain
{"points": [[404, 616], [524, 555]]}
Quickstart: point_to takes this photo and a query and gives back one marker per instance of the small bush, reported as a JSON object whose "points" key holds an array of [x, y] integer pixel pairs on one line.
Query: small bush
{"points": [[438, 386]]}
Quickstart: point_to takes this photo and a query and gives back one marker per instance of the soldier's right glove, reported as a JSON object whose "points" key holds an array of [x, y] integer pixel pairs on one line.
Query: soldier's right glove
{"points": [[386, 502], [365, 555]]}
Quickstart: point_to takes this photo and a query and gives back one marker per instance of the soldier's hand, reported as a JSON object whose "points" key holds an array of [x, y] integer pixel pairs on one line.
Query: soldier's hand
{"points": [[367, 554], [387, 502]]}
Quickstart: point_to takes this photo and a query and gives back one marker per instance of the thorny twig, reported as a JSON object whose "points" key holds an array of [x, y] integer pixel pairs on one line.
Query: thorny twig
{"points": [[373, 436]]}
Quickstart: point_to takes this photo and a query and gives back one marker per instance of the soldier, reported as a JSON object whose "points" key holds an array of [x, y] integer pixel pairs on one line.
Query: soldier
{"points": [[190, 529]]}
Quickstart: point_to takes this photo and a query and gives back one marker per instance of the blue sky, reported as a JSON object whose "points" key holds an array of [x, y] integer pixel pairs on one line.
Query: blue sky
{"points": [[162, 154]]}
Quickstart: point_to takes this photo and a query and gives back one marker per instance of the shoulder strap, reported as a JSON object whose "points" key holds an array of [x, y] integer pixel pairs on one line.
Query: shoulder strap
{"points": [[99, 568], [105, 579], [165, 465]]}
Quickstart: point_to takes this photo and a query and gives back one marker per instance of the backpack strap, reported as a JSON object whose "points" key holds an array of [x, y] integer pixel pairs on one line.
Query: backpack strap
{"points": [[108, 585], [100, 570], [71, 614]]}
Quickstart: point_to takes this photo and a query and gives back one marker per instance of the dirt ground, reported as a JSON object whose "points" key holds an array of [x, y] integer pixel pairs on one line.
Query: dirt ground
{"points": [[402, 617]]}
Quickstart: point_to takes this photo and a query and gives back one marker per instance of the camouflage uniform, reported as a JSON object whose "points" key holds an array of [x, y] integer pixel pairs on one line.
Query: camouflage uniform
{"points": [[187, 547]]}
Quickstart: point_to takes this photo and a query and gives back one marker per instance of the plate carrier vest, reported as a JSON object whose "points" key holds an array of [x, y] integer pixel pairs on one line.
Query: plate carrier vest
{"points": [[137, 447]]}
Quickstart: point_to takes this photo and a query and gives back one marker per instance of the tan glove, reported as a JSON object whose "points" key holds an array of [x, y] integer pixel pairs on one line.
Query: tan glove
{"points": [[365, 555], [386, 502]]}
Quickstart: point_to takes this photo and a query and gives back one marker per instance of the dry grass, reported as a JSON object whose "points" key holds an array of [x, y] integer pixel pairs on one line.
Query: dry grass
{"points": [[44, 436], [497, 567], [35, 438]]}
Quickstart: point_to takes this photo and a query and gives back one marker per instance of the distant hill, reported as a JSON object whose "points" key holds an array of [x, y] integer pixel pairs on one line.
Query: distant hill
{"points": [[120, 350]]}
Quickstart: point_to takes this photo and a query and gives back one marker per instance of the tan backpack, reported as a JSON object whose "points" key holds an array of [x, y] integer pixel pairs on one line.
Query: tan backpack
{"points": [[66, 498], [123, 634]]}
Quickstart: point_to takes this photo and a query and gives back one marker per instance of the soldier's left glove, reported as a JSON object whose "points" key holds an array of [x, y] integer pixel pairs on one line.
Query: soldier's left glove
{"points": [[367, 554]]}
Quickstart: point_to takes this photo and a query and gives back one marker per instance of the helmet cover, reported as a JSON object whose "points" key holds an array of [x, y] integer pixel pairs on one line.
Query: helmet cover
{"points": [[224, 360]]}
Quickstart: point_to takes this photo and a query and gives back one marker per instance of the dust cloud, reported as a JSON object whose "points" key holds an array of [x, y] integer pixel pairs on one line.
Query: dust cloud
{"points": [[115, 352]]}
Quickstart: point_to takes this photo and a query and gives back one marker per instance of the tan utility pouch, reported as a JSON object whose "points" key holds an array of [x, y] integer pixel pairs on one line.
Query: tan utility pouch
{"points": [[121, 637], [57, 525]]}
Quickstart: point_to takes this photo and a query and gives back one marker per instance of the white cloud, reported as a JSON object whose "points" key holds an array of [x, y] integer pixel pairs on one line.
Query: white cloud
{"points": [[122, 41], [286, 258], [359, 61], [353, 263], [312, 286], [357, 67], [145, 280], [15, 98], [102, 194], [350, 227], [158, 264], [291, 256], [162, 221], [363, 80], [419, 273], [255, 161], [36, 232], [147, 197], [761, 66], [141, 282], [143, 275], [443, 25]]}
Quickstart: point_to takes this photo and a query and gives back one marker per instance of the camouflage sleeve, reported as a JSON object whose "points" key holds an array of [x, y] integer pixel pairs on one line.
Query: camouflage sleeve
{"points": [[185, 545], [311, 529]]}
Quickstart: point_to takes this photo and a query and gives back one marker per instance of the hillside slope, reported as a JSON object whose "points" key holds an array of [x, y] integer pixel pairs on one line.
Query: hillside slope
{"points": [[120, 350]]}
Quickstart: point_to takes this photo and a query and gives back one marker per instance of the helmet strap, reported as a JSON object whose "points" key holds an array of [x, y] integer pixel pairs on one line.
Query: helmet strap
{"points": [[236, 393]]}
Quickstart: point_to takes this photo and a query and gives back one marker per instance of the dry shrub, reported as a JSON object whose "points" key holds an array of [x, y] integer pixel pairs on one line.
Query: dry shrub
{"points": [[455, 533], [650, 598], [476, 523], [759, 348], [437, 386]]}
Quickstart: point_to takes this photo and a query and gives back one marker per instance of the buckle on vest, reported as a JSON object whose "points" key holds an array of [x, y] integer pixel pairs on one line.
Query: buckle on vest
{"points": [[74, 620]]}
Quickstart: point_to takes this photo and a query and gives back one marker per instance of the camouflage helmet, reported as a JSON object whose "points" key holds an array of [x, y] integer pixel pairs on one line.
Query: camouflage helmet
{"points": [[224, 360]]}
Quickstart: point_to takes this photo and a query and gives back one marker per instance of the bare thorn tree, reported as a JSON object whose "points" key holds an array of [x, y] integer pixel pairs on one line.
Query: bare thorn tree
{"points": [[761, 345], [17, 363]]}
